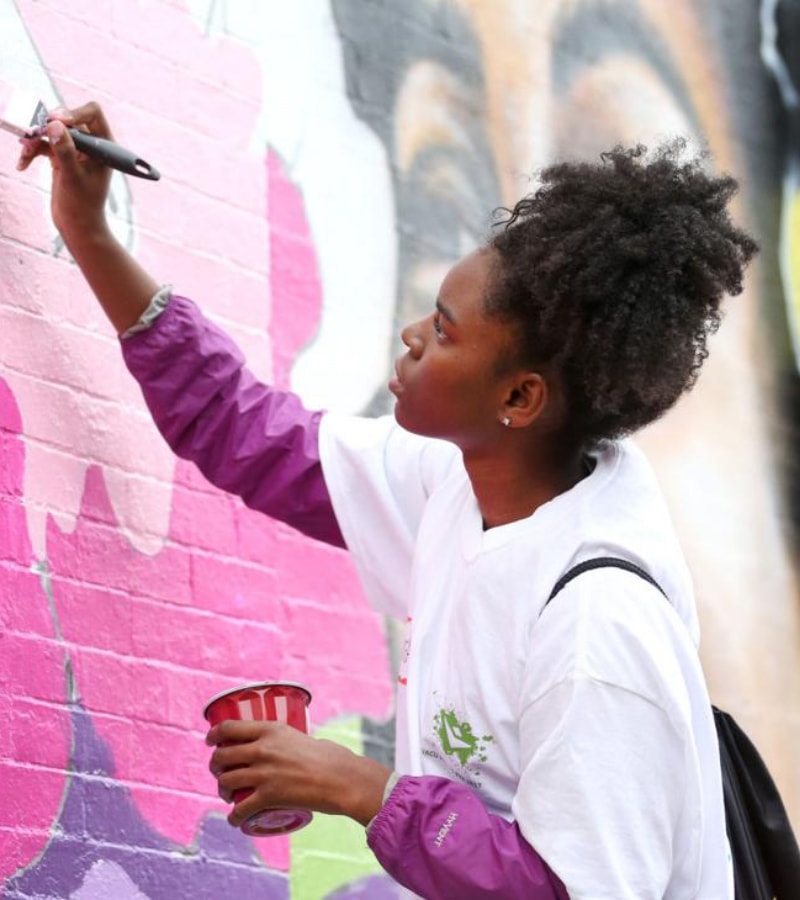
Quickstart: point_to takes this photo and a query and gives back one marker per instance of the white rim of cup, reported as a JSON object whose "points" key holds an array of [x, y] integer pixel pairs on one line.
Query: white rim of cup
{"points": [[254, 686]]}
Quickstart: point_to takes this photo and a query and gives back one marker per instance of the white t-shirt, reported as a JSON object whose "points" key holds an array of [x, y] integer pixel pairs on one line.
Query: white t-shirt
{"points": [[590, 726]]}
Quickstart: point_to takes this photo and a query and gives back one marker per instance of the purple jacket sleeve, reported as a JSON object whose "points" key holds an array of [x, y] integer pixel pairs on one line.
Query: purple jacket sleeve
{"points": [[246, 437], [435, 837]]}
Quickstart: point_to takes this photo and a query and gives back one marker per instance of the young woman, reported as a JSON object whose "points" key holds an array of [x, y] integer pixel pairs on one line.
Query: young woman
{"points": [[541, 753]]}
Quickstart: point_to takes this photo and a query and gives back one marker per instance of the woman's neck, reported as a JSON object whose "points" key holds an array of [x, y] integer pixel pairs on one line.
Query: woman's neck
{"points": [[513, 487]]}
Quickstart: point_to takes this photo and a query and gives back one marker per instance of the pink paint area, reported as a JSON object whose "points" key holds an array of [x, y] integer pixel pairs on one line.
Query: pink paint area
{"points": [[6, 95], [165, 590], [34, 751], [206, 232]]}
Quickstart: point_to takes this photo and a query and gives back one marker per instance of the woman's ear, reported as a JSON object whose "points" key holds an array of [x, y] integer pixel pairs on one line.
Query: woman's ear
{"points": [[527, 400]]}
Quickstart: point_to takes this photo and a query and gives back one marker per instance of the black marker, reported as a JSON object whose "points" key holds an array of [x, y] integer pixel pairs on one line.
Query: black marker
{"points": [[101, 149]]}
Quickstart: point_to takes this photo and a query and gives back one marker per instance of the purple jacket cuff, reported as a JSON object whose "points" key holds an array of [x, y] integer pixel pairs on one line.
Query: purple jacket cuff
{"points": [[435, 837], [246, 437]]}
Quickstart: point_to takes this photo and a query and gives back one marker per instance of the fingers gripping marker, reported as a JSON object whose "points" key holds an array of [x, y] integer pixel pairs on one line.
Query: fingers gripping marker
{"points": [[103, 150]]}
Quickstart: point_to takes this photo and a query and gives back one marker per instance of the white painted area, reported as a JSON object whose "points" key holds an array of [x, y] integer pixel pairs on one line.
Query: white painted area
{"points": [[341, 169], [107, 879]]}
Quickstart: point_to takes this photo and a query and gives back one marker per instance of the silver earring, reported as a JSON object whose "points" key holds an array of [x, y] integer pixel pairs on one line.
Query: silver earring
{"points": [[506, 420]]}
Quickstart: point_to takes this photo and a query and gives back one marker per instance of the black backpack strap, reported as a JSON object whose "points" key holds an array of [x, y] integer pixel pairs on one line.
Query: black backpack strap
{"points": [[599, 563]]}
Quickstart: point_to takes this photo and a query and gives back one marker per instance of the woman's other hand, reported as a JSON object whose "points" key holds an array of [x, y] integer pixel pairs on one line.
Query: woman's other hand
{"points": [[284, 767]]}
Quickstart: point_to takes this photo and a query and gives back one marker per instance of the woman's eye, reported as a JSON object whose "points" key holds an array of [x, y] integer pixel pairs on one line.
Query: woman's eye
{"points": [[437, 324]]}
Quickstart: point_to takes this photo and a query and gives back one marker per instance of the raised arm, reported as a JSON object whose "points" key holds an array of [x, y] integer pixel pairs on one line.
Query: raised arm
{"points": [[246, 437]]}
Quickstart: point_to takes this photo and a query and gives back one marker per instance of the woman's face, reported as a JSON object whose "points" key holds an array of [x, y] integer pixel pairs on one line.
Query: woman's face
{"points": [[449, 383]]}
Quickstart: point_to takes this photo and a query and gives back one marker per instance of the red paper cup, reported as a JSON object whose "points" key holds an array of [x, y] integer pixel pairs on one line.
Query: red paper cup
{"points": [[266, 701]]}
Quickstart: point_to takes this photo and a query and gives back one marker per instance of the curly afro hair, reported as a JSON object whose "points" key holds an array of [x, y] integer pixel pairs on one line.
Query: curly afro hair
{"points": [[612, 274]]}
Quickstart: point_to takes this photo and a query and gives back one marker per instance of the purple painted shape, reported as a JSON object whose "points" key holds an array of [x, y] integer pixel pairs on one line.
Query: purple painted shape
{"points": [[99, 822]]}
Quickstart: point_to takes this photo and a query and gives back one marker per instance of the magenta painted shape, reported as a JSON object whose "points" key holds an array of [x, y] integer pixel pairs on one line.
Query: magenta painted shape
{"points": [[34, 741]]}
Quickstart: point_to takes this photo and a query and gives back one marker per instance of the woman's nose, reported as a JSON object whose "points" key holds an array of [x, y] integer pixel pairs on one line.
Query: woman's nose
{"points": [[411, 336]]}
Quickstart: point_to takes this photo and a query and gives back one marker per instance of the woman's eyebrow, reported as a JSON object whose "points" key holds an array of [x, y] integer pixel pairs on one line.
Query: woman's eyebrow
{"points": [[445, 311]]}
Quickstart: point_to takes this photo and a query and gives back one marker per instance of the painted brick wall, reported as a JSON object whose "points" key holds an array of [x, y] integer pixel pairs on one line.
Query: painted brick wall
{"points": [[323, 163]]}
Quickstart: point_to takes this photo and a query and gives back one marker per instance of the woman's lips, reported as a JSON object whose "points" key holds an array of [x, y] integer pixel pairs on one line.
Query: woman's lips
{"points": [[395, 382]]}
